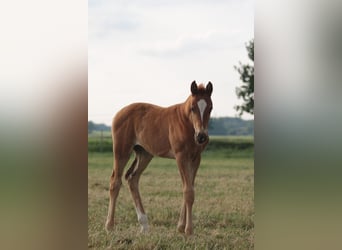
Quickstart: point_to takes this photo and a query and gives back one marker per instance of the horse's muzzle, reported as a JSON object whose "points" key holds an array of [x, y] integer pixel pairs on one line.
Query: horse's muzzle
{"points": [[201, 138]]}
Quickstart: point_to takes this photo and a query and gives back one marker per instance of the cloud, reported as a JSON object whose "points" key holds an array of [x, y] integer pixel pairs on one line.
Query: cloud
{"points": [[137, 48], [157, 4], [119, 22], [190, 44], [104, 21]]}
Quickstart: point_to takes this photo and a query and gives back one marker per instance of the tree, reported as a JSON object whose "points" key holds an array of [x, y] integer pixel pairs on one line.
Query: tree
{"points": [[246, 90], [91, 126]]}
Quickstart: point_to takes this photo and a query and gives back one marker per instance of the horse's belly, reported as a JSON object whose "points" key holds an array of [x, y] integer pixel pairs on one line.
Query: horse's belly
{"points": [[157, 150], [169, 154], [165, 153]]}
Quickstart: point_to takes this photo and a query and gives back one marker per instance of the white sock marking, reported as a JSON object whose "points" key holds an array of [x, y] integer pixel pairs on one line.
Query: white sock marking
{"points": [[142, 218]]}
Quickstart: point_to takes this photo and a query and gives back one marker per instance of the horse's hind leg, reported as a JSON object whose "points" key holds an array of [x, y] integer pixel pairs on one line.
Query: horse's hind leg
{"points": [[115, 184], [133, 174]]}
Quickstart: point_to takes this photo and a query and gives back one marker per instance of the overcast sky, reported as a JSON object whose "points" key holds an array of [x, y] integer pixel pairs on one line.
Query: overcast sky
{"points": [[151, 51]]}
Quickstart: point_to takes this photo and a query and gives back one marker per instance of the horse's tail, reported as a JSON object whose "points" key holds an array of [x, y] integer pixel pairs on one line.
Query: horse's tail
{"points": [[130, 172], [139, 151]]}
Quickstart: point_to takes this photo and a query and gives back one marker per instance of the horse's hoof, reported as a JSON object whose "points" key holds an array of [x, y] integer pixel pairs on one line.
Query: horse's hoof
{"points": [[188, 232], [181, 228], [144, 230], [109, 226]]}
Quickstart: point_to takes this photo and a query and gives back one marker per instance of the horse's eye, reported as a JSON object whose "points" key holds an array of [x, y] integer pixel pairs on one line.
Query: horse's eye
{"points": [[192, 109]]}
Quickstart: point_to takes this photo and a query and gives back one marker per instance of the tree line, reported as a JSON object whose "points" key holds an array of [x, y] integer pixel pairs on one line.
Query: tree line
{"points": [[217, 126]]}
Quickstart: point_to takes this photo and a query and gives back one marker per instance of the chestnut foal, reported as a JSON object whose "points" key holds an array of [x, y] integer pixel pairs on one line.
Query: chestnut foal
{"points": [[179, 132]]}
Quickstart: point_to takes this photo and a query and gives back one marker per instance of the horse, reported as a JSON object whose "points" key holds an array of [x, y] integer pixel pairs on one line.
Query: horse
{"points": [[179, 132]]}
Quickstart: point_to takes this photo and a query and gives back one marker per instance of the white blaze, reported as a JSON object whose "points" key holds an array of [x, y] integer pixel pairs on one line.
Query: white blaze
{"points": [[202, 104]]}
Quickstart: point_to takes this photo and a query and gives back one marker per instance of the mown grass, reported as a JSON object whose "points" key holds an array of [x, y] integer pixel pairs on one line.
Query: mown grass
{"points": [[223, 212]]}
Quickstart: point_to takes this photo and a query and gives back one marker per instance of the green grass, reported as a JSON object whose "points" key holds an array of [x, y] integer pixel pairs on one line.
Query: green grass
{"points": [[224, 144], [223, 212]]}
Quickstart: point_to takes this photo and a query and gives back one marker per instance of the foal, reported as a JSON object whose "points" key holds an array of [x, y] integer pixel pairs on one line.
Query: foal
{"points": [[179, 132]]}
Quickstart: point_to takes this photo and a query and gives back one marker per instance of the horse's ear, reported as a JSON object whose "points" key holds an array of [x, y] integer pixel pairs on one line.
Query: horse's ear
{"points": [[194, 88], [209, 88]]}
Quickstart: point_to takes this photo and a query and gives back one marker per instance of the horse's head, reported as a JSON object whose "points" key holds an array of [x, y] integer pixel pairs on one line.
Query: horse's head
{"points": [[199, 108]]}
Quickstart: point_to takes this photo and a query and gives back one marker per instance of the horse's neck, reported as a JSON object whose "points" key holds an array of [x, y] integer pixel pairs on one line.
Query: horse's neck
{"points": [[182, 112]]}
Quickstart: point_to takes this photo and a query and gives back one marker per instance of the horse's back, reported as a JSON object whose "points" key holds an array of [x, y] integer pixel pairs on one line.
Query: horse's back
{"points": [[143, 124], [134, 113]]}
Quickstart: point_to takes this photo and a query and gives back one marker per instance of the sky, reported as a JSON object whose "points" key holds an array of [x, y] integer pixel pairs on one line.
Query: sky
{"points": [[151, 51]]}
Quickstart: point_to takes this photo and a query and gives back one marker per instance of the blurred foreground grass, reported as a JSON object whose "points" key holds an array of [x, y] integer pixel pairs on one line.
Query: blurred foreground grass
{"points": [[223, 210]]}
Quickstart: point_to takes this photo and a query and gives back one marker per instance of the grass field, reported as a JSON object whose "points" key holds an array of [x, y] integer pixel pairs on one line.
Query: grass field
{"points": [[223, 212]]}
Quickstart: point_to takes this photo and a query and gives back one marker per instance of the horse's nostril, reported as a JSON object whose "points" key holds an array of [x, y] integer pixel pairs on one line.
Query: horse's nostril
{"points": [[201, 138]]}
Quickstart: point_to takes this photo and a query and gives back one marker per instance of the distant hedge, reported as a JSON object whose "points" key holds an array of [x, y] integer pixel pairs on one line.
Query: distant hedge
{"points": [[233, 144], [104, 144], [96, 144]]}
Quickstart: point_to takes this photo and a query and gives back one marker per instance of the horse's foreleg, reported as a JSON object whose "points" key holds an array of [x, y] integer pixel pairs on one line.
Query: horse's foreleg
{"points": [[182, 218], [188, 172], [185, 218], [189, 195]]}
